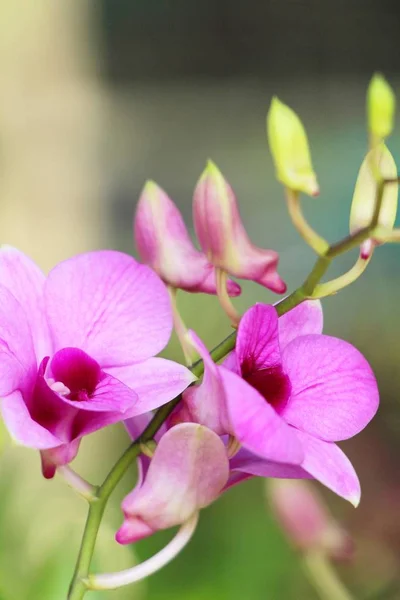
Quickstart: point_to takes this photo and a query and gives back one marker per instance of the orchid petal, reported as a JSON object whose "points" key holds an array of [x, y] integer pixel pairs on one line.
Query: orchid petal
{"points": [[17, 356], [188, 472], [257, 345], [334, 391], [247, 462], [256, 425], [205, 403], [22, 428], [304, 319], [328, 464], [23, 278], [110, 306], [155, 381], [164, 244], [222, 235]]}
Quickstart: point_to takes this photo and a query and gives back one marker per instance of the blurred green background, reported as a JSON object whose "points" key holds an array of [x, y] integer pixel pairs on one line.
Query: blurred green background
{"points": [[96, 97]]}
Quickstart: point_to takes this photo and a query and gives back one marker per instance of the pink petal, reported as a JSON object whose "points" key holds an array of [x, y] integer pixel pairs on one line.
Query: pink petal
{"points": [[22, 427], [222, 236], [155, 381], [23, 278], [17, 355], [304, 319], [256, 424], [257, 345], [164, 244], [334, 392], [247, 462], [187, 473], [205, 403], [327, 463], [110, 306]]}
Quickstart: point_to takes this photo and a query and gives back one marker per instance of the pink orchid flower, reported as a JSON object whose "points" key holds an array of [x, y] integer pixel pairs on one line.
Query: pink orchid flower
{"points": [[77, 347], [188, 472], [287, 394], [164, 244], [223, 237]]}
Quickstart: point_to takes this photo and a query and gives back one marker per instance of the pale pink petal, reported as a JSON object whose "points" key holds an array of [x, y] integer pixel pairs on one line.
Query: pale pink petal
{"points": [[22, 428], [256, 424], [188, 472], [205, 403], [304, 319], [222, 236], [326, 462], [164, 244], [334, 391], [17, 355], [155, 381], [110, 306], [23, 278], [257, 345]]}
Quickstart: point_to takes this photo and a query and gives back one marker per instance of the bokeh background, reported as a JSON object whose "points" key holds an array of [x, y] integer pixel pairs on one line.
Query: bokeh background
{"points": [[96, 97]]}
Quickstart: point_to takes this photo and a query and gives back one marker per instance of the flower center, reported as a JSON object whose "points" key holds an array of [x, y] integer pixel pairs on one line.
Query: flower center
{"points": [[272, 384], [77, 372]]}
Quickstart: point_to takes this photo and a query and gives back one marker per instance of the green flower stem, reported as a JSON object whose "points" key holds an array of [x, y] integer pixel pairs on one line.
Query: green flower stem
{"points": [[98, 503], [324, 578]]}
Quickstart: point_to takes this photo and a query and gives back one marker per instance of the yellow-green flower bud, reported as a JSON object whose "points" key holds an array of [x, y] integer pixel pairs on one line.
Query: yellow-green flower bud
{"points": [[381, 104], [290, 151]]}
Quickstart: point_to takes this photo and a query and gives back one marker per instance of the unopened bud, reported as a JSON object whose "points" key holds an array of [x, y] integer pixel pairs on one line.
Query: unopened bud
{"points": [[377, 166], [290, 150], [164, 244], [222, 235], [306, 520], [381, 104]]}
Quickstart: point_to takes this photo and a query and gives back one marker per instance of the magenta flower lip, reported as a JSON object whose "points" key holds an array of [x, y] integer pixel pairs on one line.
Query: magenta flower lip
{"points": [[77, 349]]}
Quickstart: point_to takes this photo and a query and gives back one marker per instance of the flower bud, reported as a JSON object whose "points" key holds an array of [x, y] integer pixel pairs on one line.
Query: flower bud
{"points": [[306, 520], [381, 103], [164, 244], [188, 472], [222, 235], [366, 190], [289, 148]]}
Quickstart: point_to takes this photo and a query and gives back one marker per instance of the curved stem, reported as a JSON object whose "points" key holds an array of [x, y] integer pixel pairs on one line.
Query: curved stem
{"points": [[313, 239], [334, 285], [324, 578], [180, 327], [78, 483], [223, 297], [110, 581]]}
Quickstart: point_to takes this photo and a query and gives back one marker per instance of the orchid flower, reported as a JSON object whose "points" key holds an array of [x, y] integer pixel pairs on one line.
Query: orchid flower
{"points": [[77, 348], [287, 393]]}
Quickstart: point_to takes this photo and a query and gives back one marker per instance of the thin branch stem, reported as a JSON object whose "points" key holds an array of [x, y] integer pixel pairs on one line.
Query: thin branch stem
{"points": [[313, 239], [324, 578], [78, 483], [111, 581]]}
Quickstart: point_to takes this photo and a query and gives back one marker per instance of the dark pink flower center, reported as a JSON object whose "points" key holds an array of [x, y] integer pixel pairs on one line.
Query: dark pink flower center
{"points": [[272, 383], [77, 371]]}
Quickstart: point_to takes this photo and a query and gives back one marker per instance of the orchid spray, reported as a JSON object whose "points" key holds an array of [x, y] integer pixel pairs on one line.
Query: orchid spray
{"points": [[78, 353]]}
